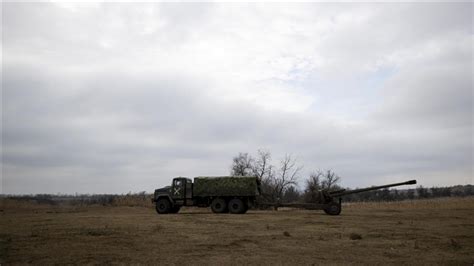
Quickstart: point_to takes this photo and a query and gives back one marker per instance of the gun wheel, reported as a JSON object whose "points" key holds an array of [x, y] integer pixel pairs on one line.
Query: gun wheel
{"points": [[333, 208]]}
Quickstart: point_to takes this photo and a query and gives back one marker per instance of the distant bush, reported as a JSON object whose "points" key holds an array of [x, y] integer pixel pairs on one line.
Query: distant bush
{"points": [[131, 199]]}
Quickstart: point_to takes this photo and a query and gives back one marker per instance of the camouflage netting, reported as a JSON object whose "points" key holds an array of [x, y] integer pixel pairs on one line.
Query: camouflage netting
{"points": [[225, 186]]}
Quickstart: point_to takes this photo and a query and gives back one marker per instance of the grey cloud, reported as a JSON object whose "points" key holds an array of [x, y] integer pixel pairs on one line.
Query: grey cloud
{"points": [[81, 118], [39, 129]]}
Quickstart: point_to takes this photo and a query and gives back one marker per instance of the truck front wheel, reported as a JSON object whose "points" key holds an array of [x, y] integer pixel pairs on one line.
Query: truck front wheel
{"points": [[237, 206], [219, 206], [163, 206]]}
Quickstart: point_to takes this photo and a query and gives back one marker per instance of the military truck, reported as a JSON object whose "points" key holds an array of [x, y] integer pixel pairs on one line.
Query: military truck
{"points": [[224, 194], [235, 194]]}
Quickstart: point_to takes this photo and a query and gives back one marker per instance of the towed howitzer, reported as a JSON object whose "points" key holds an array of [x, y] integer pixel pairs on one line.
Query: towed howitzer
{"points": [[330, 201]]}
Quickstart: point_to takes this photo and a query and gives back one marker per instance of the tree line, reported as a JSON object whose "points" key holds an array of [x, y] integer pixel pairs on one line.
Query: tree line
{"points": [[280, 182]]}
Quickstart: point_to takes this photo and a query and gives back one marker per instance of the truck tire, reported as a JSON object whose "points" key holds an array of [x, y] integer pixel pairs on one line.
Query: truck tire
{"points": [[237, 206], [333, 208], [163, 206], [219, 206]]}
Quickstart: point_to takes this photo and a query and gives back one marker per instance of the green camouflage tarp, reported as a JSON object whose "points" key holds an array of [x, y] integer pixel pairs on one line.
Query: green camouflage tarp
{"points": [[225, 186]]}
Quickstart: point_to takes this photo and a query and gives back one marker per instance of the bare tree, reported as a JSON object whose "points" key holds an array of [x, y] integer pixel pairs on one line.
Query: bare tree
{"points": [[263, 170], [273, 183], [330, 180], [313, 186], [287, 176], [242, 165], [262, 167]]}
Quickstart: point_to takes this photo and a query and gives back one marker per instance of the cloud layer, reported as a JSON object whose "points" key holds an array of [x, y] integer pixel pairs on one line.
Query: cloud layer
{"points": [[123, 97]]}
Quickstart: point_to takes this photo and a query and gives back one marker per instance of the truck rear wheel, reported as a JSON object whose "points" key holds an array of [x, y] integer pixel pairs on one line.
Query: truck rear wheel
{"points": [[333, 208], [163, 206], [237, 206], [219, 206]]}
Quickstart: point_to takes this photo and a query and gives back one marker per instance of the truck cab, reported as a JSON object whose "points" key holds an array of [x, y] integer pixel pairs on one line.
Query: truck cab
{"points": [[182, 190], [169, 199]]}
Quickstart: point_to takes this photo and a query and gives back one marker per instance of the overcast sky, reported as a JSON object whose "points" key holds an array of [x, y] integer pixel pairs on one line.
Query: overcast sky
{"points": [[112, 98]]}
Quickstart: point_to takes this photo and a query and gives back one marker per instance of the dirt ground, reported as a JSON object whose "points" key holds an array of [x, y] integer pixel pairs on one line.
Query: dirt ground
{"points": [[411, 232]]}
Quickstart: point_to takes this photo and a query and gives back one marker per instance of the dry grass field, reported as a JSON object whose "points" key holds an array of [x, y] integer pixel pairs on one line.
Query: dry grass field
{"points": [[410, 232]]}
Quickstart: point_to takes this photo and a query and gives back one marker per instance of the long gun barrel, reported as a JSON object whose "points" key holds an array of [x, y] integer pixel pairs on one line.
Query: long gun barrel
{"points": [[343, 192]]}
